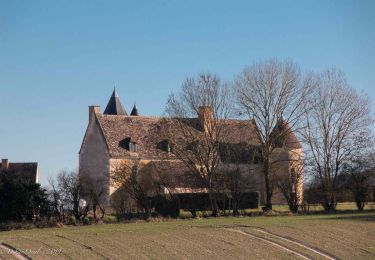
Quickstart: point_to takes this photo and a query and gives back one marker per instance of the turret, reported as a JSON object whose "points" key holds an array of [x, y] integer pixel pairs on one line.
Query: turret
{"points": [[134, 111], [114, 106]]}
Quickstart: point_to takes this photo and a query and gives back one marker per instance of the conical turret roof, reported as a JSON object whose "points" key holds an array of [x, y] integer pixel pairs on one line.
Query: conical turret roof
{"points": [[134, 111], [114, 106]]}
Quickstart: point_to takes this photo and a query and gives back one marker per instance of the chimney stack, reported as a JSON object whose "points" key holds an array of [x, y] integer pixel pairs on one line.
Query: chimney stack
{"points": [[206, 116], [93, 110], [4, 164]]}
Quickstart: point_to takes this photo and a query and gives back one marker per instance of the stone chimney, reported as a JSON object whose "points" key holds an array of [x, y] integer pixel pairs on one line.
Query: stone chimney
{"points": [[93, 110], [4, 164], [206, 116]]}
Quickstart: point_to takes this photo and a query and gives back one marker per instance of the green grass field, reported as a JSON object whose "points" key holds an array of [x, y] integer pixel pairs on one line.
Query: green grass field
{"points": [[350, 236], [315, 208]]}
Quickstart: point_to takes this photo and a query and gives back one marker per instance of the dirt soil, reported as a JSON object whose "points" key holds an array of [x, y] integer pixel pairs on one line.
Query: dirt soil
{"points": [[346, 236]]}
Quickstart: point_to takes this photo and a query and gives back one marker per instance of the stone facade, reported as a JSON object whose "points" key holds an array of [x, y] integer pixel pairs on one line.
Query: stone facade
{"points": [[112, 139]]}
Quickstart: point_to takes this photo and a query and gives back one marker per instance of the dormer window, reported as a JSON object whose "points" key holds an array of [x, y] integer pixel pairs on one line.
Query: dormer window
{"points": [[165, 145], [129, 145]]}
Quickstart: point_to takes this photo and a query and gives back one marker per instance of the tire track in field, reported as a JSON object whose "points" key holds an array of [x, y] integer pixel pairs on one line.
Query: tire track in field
{"points": [[287, 249], [83, 245], [290, 240], [14, 251]]}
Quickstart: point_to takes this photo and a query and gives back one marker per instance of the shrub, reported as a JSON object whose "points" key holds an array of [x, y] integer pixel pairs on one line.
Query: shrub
{"points": [[110, 219], [165, 207], [86, 221], [71, 221], [201, 201], [193, 202], [248, 200]]}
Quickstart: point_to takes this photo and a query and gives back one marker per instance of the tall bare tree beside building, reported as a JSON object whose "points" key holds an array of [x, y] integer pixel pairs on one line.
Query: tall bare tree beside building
{"points": [[137, 181], [197, 145], [95, 193], [69, 187], [269, 93], [337, 127], [356, 175], [288, 186]]}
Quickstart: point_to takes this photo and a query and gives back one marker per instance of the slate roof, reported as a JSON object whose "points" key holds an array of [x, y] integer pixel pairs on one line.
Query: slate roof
{"points": [[26, 171], [114, 106], [141, 130], [145, 132], [134, 111], [286, 137]]}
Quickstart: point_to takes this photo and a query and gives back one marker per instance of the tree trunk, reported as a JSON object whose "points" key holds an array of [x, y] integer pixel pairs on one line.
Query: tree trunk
{"points": [[94, 210], [146, 206], [214, 207], [57, 213], [103, 211], [76, 206], [235, 208], [266, 167], [329, 202], [293, 202], [360, 205], [86, 210]]}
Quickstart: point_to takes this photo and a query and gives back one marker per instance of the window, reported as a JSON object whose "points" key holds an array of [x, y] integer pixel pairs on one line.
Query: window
{"points": [[128, 144], [165, 145], [132, 147]]}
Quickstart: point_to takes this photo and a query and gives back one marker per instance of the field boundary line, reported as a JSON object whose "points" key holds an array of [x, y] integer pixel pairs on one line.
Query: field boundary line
{"points": [[270, 242], [84, 245], [315, 250], [14, 251]]}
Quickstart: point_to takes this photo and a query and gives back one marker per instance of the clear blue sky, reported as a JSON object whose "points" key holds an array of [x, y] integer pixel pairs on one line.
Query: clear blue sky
{"points": [[59, 57]]}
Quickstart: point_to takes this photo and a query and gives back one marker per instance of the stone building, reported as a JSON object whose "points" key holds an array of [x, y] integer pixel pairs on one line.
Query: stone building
{"points": [[114, 137], [24, 171]]}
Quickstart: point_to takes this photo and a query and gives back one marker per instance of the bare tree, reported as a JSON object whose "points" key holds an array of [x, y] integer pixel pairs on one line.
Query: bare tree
{"points": [[121, 203], [357, 174], [131, 177], [272, 93], [240, 162], [55, 198], [95, 193], [69, 188], [197, 145], [337, 124], [288, 184]]}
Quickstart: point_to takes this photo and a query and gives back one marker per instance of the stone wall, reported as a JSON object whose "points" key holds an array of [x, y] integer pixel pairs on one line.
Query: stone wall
{"points": [[253, 172], [95, 162], [284, 162], [94, 157]]}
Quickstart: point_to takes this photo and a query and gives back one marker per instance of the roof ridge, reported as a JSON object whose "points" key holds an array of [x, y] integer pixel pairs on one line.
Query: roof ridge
{"points": [[22, 162], [134, 117], [164, 117]]}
